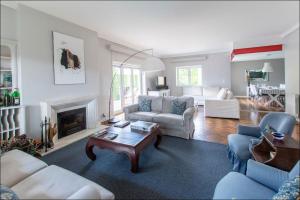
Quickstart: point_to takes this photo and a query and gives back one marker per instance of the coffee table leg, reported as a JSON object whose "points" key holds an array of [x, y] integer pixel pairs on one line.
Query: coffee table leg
{"points": [[134, 159], [89, 151], [158, 139]]}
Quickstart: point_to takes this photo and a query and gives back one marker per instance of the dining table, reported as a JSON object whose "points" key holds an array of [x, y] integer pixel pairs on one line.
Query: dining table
{"points": [[273, 93]]}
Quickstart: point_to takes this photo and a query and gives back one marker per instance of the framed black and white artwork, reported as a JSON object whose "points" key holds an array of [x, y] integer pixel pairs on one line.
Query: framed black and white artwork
{"points": [[68, 62]]}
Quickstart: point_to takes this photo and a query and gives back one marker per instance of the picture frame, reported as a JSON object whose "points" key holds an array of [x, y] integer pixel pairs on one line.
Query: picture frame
{"points": [[68, 59]]}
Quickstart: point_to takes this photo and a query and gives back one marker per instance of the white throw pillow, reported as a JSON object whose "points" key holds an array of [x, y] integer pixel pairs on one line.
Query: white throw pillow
{"points": [[229, 94], [222, 94], [210, 91]]}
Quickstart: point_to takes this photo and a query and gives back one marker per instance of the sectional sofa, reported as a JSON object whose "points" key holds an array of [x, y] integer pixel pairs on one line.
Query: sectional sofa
{"points": [[161, 112], [31, 178]]}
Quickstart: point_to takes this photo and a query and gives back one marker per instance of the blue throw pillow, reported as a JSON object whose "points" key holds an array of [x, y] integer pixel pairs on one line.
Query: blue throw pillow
{"points": [[178, 107], [289, 190], [145, 105], [7, 193]]}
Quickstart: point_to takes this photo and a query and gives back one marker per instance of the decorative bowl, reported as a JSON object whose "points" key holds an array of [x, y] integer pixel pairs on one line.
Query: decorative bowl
{"points": [[278, 136]]}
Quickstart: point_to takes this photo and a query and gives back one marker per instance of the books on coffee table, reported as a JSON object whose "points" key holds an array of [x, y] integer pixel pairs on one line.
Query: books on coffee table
{"points": [[143, 126], [121, 124], [111, 136]]}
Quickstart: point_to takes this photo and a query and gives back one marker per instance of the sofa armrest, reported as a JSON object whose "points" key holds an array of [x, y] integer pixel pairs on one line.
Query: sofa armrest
{"points": [[130, 109], [188, 113], [266, 175], [253, 131], [224, 108], [86, 192]]}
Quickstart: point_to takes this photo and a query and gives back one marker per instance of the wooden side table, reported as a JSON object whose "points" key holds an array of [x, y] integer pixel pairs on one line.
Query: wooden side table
{"points": [[282, 154]]}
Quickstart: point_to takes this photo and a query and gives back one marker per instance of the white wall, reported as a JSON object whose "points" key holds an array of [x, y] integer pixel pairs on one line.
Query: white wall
{"points": [[8, 23], [36, 53], [292, 72], [215, 69], [151, 79], [33, 31]]}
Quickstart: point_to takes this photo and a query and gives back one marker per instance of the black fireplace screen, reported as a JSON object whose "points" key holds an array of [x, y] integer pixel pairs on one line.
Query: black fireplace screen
{"points": [[71, 121]]}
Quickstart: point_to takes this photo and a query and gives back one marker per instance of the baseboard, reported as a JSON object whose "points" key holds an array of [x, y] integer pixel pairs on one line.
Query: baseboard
{"points": [[241, 97]]}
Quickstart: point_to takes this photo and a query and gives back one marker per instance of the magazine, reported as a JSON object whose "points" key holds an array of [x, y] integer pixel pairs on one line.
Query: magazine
{"points": [[143, 126]]}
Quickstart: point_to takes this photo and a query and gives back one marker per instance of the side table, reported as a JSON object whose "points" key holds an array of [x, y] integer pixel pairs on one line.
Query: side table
{"points": [[282, 154]]}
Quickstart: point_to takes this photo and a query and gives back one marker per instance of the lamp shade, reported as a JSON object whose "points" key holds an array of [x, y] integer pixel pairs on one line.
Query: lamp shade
{"points": [[267, 67], [153, 64]]}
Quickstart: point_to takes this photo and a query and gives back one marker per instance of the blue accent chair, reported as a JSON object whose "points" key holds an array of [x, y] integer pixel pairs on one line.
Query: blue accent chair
{"points": [[260, 182], [239, 145]]}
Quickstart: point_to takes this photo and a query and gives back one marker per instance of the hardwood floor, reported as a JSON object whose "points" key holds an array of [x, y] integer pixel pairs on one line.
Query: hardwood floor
{"points": [[217, 129]]}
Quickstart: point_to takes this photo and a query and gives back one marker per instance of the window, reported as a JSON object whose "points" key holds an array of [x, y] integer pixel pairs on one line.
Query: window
{"points": [[189, 76], [127, 86]]}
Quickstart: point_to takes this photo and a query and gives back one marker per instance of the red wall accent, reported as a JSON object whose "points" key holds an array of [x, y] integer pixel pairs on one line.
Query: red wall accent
{"points": [[277, 47]]}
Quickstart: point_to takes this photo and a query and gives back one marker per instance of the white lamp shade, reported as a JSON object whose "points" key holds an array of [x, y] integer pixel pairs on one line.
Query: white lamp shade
{"points": [[267, 67], [153, 64]]}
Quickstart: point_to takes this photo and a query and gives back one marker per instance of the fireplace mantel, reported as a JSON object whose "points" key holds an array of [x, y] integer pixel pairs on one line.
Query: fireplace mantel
{"points": [[50, 108]]}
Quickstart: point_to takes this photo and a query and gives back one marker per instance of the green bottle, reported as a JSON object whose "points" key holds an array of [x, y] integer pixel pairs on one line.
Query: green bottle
{"points": [[6, 98], [15, 96]]}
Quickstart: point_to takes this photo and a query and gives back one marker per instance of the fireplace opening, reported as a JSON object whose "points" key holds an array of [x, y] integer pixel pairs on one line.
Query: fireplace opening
{"points": [[71, 121]]}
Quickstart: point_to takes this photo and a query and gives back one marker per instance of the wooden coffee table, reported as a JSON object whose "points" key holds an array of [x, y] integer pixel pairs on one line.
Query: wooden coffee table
{"points": [[128, 141]]}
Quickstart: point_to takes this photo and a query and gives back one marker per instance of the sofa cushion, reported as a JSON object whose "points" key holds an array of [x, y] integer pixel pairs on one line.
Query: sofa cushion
{"points": [[178, 107], [192, 91], [145, 105], [156, 102], [229, 94], [168, 120], [17, 165], [7, 194], [143, 116], [238, 186], [54, 182], [289, 190], [210, 91], [239, 144], [167, 103], [86, 192], [222, 94]]}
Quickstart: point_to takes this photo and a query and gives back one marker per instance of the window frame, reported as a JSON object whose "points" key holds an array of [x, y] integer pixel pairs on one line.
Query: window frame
{"points": [[189, 75], [131, 67]]}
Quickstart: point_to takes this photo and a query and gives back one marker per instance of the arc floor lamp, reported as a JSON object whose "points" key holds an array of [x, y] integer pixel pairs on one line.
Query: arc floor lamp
{"points": [[151, 63]]}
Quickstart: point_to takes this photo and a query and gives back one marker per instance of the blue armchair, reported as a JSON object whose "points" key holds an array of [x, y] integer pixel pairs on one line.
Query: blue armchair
{"points": [[260, 182], [238, 144]]}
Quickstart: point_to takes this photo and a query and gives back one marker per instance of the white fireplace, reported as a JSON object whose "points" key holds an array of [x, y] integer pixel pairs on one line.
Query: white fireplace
{"points": [[51, 108]]}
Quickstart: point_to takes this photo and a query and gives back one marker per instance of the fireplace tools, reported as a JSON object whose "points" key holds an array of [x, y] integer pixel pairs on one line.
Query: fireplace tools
{"points": [[47, 133]]}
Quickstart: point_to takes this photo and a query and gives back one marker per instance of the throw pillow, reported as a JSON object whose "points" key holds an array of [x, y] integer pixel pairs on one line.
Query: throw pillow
{"points": [[229, 94], [178, 107], [222, 94], [145, 105], [289, 190], [7, 193]]}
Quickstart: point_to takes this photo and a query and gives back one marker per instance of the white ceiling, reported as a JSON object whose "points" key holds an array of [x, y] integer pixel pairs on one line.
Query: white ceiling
{"points": [[177, 27]]}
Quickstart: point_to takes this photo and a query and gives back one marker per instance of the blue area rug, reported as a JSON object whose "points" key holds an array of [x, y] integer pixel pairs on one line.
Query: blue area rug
{"points": [[179, 169]]}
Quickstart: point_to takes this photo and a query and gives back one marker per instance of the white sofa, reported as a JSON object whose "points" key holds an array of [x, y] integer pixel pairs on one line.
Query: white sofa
{"points": [[31, 178], [218, 102], [201, 93]]}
